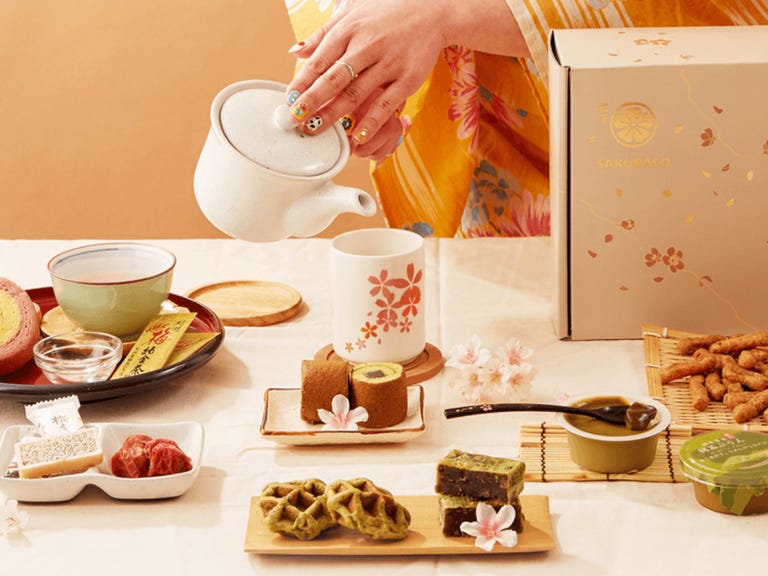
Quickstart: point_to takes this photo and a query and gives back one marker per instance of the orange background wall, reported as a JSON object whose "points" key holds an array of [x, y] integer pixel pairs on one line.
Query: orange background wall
{"points": [[104, 109]]}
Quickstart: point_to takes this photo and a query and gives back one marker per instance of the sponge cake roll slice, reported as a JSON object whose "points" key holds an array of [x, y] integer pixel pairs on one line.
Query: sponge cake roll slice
{"points": [[19, 327]]}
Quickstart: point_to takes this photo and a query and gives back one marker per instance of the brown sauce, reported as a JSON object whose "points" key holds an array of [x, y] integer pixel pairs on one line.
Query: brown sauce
{"points": [[595, 426]]}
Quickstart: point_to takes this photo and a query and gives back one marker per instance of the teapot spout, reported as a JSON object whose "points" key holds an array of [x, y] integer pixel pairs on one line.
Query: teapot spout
{"points": [[313, 212]]}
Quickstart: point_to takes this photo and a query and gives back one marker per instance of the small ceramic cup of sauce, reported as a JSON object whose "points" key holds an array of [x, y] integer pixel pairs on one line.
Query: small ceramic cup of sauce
{"points": [[613, 448], [729, 470]]}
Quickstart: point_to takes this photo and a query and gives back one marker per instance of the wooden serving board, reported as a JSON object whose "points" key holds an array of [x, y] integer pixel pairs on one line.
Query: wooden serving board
{"points": [[425, 536]]}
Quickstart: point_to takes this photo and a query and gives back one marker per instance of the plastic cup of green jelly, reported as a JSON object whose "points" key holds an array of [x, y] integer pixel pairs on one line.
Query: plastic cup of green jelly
{"points": [[729, 470]]}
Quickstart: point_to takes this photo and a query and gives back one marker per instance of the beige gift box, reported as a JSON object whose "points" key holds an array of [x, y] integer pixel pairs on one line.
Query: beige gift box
{"points": [[659, 175]]}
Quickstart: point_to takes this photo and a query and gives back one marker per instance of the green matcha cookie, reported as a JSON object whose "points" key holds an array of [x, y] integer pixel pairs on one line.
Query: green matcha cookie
{"points": [[361, 505], [298, 508]]}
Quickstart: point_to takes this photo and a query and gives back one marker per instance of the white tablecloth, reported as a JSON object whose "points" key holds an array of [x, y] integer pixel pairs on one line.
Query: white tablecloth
{"points": [[495, 288]]}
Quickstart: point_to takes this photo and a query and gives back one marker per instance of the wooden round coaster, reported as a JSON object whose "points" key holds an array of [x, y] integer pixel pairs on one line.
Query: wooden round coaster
{"points": [[56, 322], [249, 302], [423, 367]]}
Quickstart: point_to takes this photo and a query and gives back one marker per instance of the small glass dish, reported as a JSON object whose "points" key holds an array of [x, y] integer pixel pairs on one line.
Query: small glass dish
{"points": [[77, 357]]}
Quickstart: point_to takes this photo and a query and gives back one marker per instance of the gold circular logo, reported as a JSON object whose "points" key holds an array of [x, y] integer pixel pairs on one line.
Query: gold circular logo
{"points": [[633, 124]]}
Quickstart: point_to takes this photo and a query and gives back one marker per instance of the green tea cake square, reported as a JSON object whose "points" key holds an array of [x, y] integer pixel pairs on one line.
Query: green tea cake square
{"points": [[479, 476]]}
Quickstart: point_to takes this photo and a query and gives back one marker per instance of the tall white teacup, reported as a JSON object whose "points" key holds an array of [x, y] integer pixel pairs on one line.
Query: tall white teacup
{"points": [[378, 299]]}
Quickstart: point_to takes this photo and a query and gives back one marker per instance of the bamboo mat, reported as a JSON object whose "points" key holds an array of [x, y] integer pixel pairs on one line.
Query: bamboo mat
{"points": [[660, 349], [544, 449]]}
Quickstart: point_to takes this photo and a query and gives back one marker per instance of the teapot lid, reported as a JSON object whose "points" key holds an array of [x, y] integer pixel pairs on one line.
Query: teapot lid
{"points": [[249, 122]]}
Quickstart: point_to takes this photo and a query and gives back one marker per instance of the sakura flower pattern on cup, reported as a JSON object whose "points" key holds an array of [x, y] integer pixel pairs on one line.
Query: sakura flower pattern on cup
{"points": [[378, 295], [394, 306]]}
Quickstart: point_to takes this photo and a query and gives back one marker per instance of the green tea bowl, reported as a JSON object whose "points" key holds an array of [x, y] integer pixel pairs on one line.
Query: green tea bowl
{"points": [[115, 287]]}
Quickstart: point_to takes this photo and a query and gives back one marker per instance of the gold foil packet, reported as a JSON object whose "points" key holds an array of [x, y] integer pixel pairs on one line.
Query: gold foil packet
{"points": [[155, 345]]}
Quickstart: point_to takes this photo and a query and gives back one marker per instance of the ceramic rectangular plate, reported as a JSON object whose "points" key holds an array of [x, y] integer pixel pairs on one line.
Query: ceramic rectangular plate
{"points": [[282, 422], [425, 536], [188, 435]]}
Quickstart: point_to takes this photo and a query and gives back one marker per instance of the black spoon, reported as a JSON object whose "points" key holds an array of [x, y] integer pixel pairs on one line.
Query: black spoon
{"points": [[636, 416]]}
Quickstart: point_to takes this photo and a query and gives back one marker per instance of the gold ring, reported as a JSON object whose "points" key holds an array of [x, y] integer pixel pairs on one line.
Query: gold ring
{"points": [[349, 68]]}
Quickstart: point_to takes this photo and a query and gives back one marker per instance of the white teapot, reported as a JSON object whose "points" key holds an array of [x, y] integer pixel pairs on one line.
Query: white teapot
{"points": [[260, 178]]}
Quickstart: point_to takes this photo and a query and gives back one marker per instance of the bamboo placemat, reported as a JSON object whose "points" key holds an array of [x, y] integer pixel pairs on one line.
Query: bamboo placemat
{"points": [[660, 349], [544, 449]]}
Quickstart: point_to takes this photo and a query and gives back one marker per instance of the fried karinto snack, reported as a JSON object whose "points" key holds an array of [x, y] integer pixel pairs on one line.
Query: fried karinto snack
{"points": [[748, 378], [749, 359], [699, 394], [715, 387], [687, 346], [733, 399], [761, 367], [728, 369], [735, 344], [752, 408], [732, 387], [696, 365]]}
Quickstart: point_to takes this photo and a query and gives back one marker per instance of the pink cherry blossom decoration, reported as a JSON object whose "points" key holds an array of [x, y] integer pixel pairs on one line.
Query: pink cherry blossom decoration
{"points": [[12, 520], [492, 527], [341, 417], [482, 376]]}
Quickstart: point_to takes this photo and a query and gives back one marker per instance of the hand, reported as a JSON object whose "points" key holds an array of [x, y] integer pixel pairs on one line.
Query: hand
{"points": [[373, 54], [380, 144], [391, 49]]}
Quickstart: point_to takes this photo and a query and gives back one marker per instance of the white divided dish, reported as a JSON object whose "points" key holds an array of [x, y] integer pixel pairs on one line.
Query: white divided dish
{"points": [[188, 435]]}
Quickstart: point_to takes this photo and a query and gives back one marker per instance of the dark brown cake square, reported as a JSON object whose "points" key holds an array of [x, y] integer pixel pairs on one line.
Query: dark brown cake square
{"points": [[457, 509], [480, 477]]}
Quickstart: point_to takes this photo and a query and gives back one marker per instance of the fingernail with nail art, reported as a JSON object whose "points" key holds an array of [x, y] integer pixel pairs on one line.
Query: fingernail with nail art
{"points": [[299, 109], [362, 135], [293, 95], [314, 123], [348, 123]]}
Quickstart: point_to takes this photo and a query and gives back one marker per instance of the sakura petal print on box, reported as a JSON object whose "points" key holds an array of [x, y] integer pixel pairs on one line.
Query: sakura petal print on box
{"points": [[668, 200]]}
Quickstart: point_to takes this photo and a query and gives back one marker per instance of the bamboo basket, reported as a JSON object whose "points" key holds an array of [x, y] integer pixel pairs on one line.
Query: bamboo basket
{"points": [[660, 350]]}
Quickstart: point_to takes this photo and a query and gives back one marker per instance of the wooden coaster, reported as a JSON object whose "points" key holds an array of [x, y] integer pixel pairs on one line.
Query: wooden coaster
{"points": [[544, 449], [423, 367], [249, 302], [56, 322]]}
